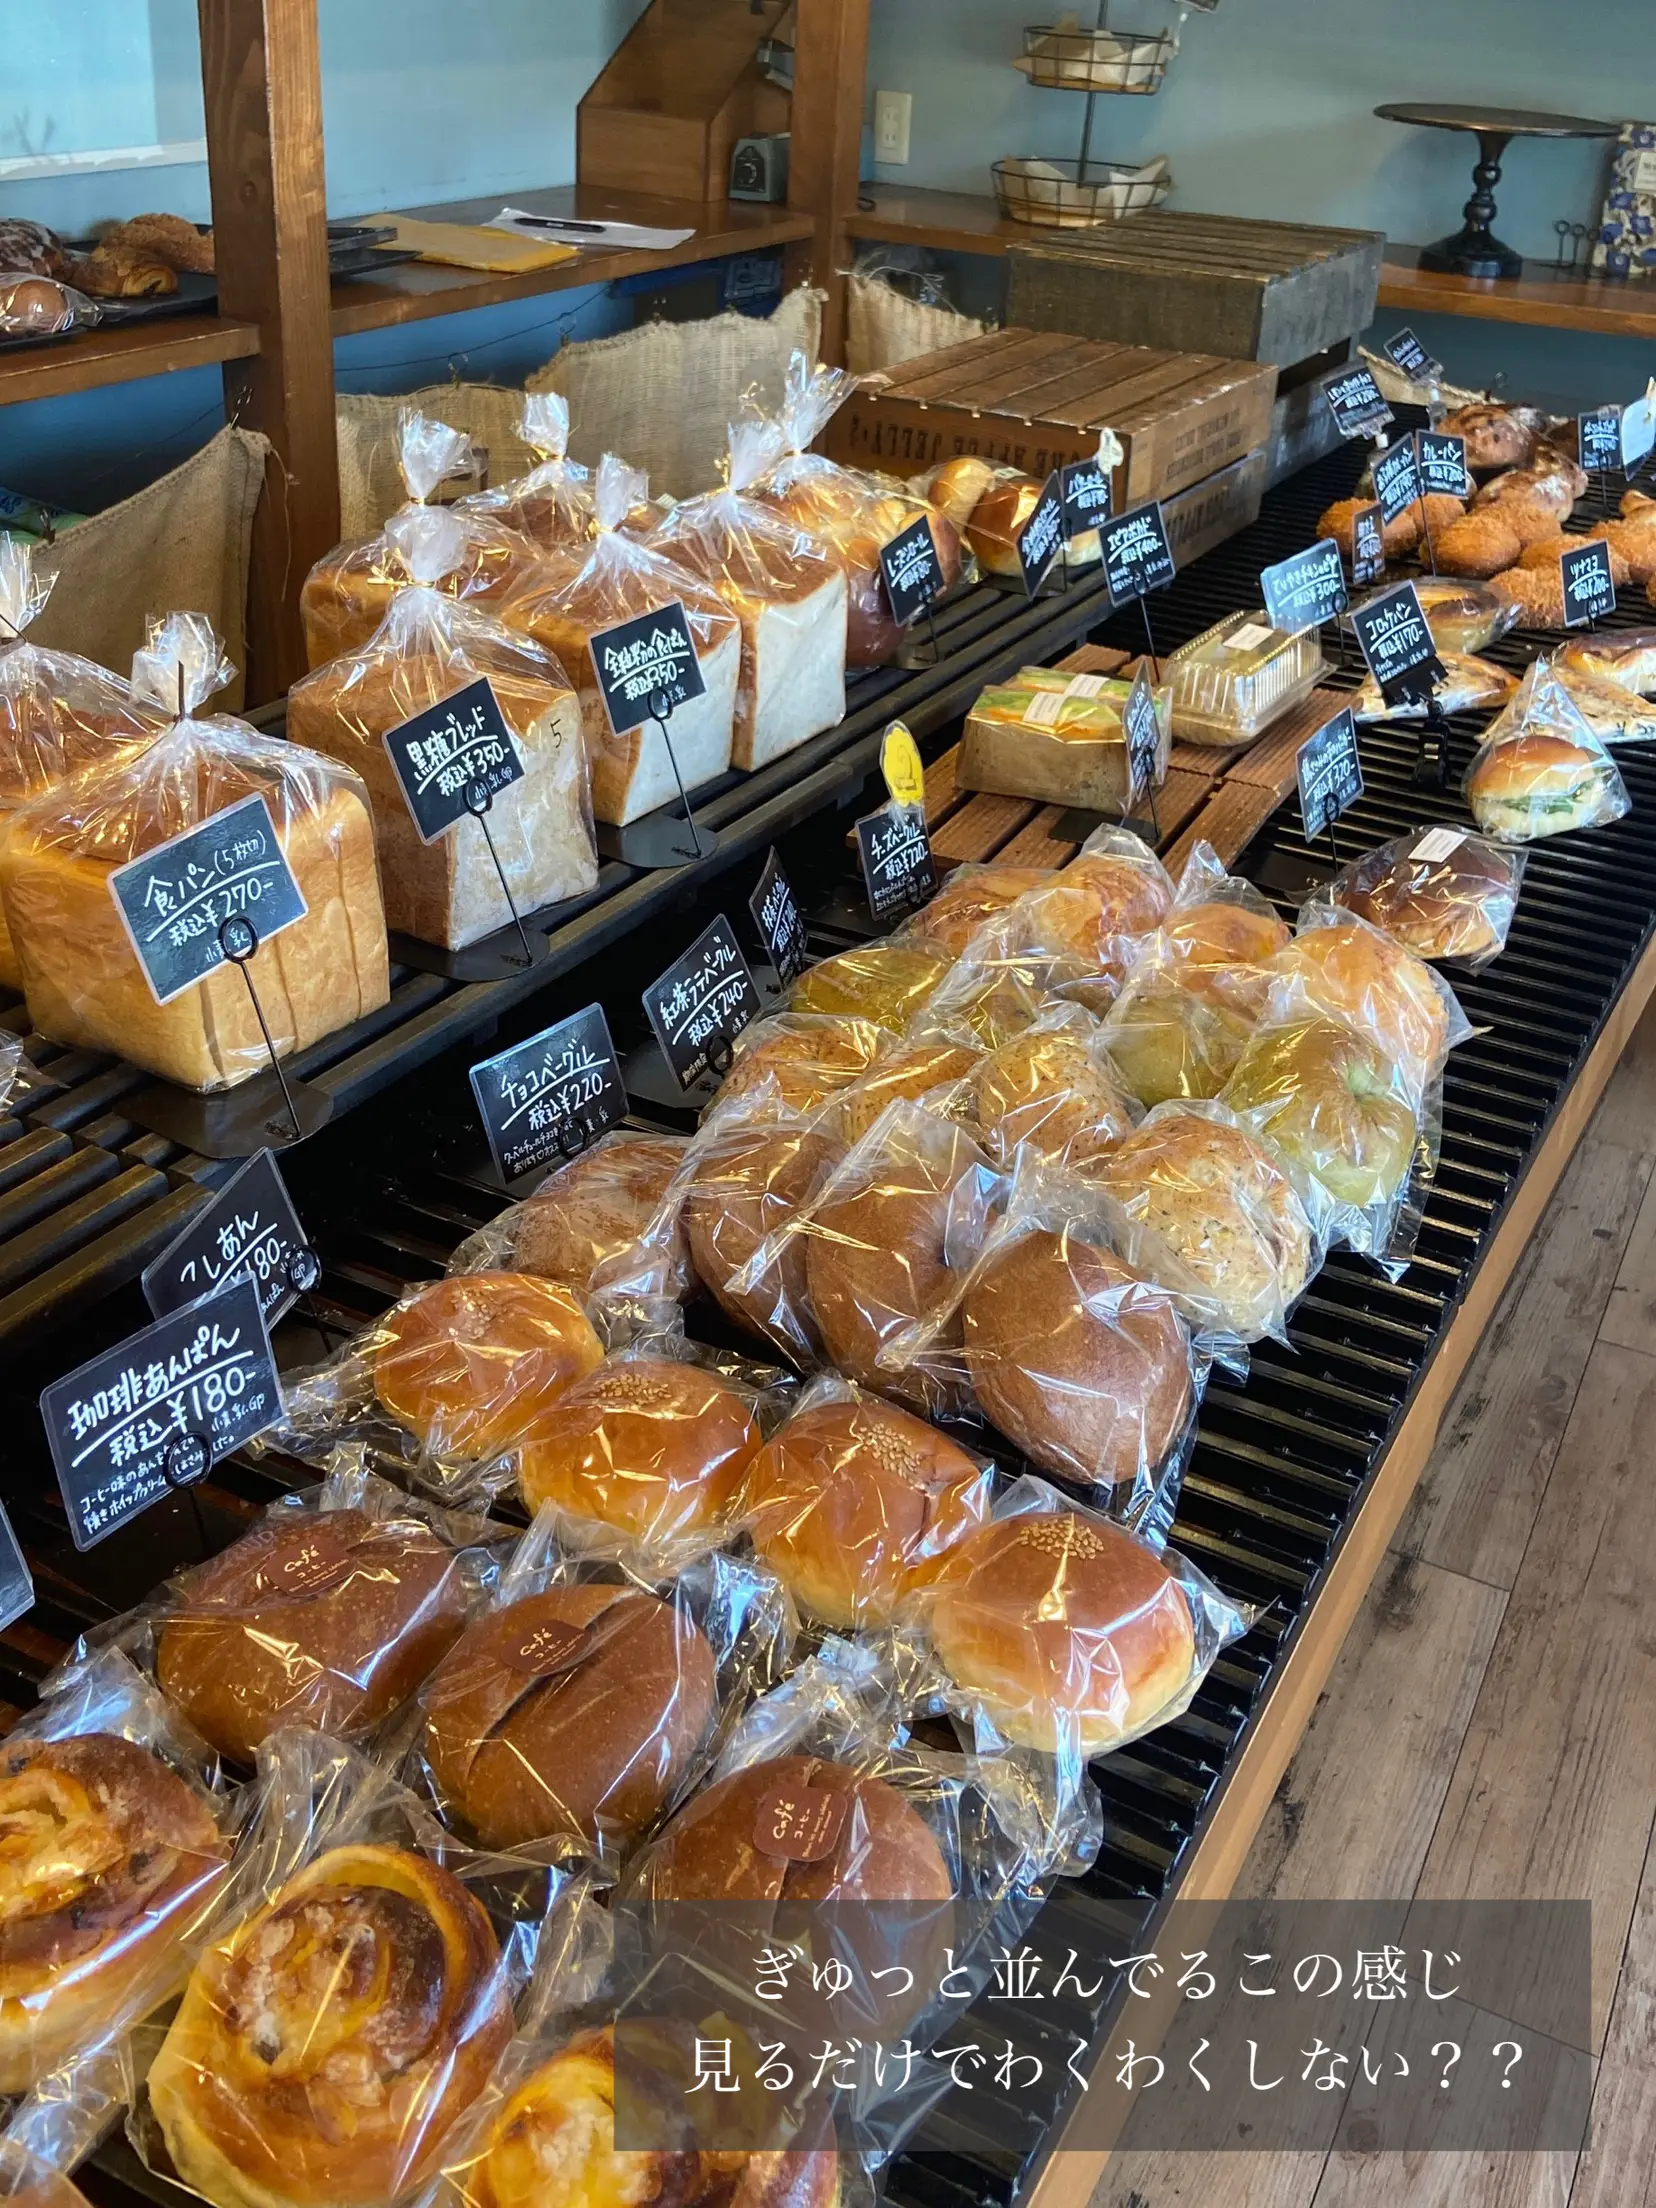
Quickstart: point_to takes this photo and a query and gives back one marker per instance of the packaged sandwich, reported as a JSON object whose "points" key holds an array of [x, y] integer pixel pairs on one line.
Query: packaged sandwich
{"points": [[580, 1706], [783, 586], [348, 593], [585, 1216], [552, 504], [853, 515], [82, 976], [1057, 737], [1052, 1092], [1470, 685], [59, 713], [1540, 770], [428, 648], [1231, 682], [1615, 713], [120, 1834], [1441, 892], [1356, 972], [578, 595]]}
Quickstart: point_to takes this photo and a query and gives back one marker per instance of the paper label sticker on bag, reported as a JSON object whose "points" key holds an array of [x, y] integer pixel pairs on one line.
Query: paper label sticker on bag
{"points": [[776, 915], [160, 1410], [453, 759], [250, 1228], [173, 900], [552, 1096], [699, 1006], [800, 1824], [641, 662], [1438, 843]]}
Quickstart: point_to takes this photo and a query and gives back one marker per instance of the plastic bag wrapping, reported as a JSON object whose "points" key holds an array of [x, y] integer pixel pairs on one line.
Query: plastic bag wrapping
{"points": [[445, 1381], [581, 1707], [576, 595], [32, 305], [642, 1461], [329, 1613], [120, 1834], [1624, 656], [62, 2118], [331, 2039], [1540, 769], [1052, 1091], [1094, 912], [1463, 616], [993, 991], [464, 552], [1440, 892], [854, 1503], [886, 981], [911, 1066], [1469, 685], [539, 833], [990, 505], [1615, 713], [851, 514], [82, 977], [1205, 1210], [1358, 973], [552, 504], [586, 1215], [947, 922], [884, 1239], [785, 588], [800, 1058]]}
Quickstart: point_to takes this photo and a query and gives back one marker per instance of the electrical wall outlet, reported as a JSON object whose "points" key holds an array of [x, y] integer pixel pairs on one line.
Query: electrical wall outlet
{"points": [[892, 111]]}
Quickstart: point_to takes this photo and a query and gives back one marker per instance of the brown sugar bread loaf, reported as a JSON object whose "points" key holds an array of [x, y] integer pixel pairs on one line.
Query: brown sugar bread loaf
{"points": [[1077, 1359], [553, 2146], [1071, 1634], [595, 1208], [539, 827], [573, 1714], [651, 1448], [326, 2047], [854, 1504], [465, 1364], [109, 1855], [748, 1182], [327, 1618], [80, 972]]}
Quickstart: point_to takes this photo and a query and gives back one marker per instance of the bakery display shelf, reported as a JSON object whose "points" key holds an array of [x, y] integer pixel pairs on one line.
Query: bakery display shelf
{"points": [[122, 352], [76, 1227], [1298, 1476]]}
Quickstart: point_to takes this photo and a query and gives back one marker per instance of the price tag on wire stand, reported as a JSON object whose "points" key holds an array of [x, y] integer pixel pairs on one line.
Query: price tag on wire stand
{"points": [[1405, 351], [1589, 585], [1397, 643], [551, 1097], [1442, 462], [160, 1410], [17, 1592], [1600, 440], [1137, 556], [1142, 729], [1396, 479], [1355, 401], [1368, 546], [781, 925], [174, 900], [1330, 774], [249, 1229], [1307, 589], [912, 572], [445, 755], [1088, 498], [641, 661], [898, 870], [699, 1006], [1041, 538]]}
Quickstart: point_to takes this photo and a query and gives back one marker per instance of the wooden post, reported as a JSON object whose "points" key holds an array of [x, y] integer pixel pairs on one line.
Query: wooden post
{"points": [[825, 154], [262, 78]]}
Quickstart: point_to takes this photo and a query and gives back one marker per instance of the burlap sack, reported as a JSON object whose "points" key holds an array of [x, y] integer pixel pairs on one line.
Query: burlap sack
{"points": [[664, 396], [884, 328], [370, 488], [180, 545]]}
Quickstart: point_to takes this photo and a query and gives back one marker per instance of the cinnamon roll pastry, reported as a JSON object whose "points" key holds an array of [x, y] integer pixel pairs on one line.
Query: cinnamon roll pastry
{"points": [[324, 2050], [107, 1858]]}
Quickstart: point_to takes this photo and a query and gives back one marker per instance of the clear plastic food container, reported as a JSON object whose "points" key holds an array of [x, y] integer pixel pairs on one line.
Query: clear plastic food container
{"points": [[1234, 680]]}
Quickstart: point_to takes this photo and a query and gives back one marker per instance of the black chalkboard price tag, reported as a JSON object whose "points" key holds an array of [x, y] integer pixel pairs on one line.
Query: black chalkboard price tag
{"points": [[453, 758], [776, 915], [551, 1096], [1368, 545], [1405, 351], [251, 1230], [1330, 773], [174, 900], [1397, 644], [1143, 733], [1589, 586], [898, 870], [650, 657], [16, 1583], [1137, 555], [913, 575], [1042, 536], [1600, 438], [699, 1006], [1088, 498], [160, 1410], [1355, 402], [1441, 459], [1306, 590], [1396, 479]]}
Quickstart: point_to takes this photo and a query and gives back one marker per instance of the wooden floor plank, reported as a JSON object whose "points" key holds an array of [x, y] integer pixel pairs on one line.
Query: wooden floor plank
{"points": [[1553, 1794], [1619, 2168], [1476, 1503], [1630, 1314], [1210, 2181], [1446, 2181]]}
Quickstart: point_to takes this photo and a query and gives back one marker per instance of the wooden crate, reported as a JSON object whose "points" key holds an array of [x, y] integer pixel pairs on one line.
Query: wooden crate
{"points": [[1269, 291], [679, 90], [1034, 400], [1215, 508]]}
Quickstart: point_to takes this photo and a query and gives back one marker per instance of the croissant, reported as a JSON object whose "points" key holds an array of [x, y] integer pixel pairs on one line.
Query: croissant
{"points": [[553, 2146], [106, 1858], [324, 2050]]}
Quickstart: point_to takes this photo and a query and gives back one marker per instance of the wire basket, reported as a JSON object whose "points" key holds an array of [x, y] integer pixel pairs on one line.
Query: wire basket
{"points": [[1074, 195], [1066, 60]]}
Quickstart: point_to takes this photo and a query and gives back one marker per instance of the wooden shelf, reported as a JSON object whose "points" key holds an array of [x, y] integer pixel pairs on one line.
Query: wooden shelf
{"points": [[1538, 299], [420, 289], [122, 354], [949, 222]]}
